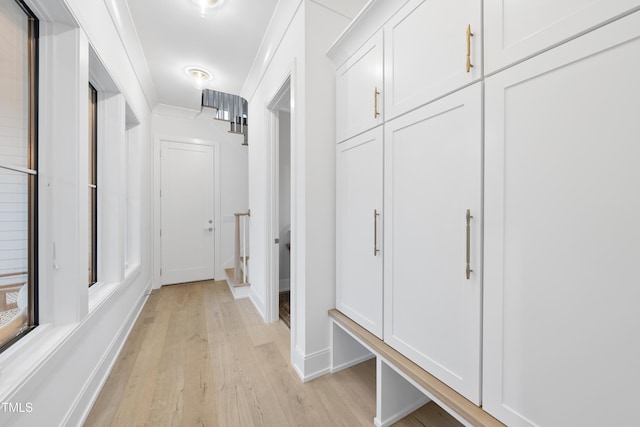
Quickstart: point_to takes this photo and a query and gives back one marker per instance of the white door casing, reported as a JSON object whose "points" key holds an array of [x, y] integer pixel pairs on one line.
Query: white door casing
{"points": [[187, 212], [281, 100]]}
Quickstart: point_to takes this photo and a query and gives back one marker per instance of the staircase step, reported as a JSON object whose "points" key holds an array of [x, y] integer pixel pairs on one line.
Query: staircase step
{"points": [[231, 275]]}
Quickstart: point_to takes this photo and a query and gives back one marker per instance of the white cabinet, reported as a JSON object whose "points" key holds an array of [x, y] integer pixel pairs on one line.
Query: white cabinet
{"points": [[516, 30], [426, 52], [433, 176], [547, 309], [562, 295], [359, 229], [359, 94]]}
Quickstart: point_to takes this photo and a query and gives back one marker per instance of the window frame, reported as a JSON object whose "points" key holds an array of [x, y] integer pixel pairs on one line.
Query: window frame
{"points": [[93, 185], [32, 175]]}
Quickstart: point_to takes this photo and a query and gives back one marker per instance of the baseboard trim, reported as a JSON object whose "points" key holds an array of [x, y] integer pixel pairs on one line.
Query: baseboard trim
{"points": [[351, 363], [400, 415], [83, 404], [312, 366], [258, 303]]}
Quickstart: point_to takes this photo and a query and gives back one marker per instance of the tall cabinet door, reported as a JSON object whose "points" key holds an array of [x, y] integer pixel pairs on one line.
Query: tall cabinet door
{"points": [[426, 52], [359, 229], [517, 30], [562, 233], [359, 94], [432, 180]]}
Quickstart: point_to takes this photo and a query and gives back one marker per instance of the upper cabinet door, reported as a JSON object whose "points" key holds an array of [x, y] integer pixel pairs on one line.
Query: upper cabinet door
{"points": [[561, 287], [516, 30], [359, 92], [359, 229], [428, 52], [432, 226]]}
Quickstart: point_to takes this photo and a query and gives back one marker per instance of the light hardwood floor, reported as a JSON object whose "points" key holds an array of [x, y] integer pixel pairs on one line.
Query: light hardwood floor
{"points": [[196, 357]]}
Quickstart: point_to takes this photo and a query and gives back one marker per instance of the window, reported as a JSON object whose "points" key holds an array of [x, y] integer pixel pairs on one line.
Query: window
{"points": [[127, 201], [18, 171], [132, 195], [93, 185]]}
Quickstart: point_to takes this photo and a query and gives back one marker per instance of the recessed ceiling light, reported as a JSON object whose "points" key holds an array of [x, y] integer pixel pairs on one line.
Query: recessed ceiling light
{"points": [[200, 76], [205, 4]]}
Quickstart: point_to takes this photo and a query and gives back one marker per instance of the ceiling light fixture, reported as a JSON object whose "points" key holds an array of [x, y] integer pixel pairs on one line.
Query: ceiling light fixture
{"points": [[200, 76], [208, 4]]}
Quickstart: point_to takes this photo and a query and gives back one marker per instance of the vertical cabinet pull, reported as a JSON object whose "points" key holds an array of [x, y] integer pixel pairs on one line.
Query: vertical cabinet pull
{"points": [[375, 102], [469, 270], [469, 35], [376, 251]]}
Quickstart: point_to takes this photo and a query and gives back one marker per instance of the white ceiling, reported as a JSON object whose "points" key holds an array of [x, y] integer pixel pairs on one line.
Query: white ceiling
{"points": [[175, 34]]}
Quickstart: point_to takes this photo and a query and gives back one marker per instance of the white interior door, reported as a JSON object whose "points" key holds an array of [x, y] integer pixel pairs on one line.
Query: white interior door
{"points": [[187, 223]]}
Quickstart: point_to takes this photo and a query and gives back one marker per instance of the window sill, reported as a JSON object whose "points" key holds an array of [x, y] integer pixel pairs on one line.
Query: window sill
{"points": [[100, 292], [38, 349], [19, 362], [131, 272]]}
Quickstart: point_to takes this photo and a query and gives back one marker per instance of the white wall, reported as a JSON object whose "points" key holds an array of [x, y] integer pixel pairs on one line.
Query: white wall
{"points": [[323, 26], [203, 129], [283, 55], [297, 46], [60, 366]]}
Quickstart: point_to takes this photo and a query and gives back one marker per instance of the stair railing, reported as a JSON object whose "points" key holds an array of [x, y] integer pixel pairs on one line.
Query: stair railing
{"points": [[241, 257]]}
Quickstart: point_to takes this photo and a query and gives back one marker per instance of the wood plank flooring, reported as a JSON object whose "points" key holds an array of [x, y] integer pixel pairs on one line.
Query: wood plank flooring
{"points": [[197, 357]]}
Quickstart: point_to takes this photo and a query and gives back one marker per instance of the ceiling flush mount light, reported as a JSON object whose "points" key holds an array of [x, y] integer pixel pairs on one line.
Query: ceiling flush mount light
{"points": [[199, 76], [208, 4]]}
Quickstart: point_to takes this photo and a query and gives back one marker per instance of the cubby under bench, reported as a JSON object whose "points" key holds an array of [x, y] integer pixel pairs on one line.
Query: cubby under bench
{"points": [[401, 385]]}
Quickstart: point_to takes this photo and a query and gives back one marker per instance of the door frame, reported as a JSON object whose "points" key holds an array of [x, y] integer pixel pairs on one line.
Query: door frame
{"points": [[217, 229], [272, 194]]}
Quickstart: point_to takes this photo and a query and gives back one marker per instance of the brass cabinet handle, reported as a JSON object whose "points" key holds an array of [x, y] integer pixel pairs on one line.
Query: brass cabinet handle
{"points": [[376, 251], [375, 102], [469, 270], [469, 35]]}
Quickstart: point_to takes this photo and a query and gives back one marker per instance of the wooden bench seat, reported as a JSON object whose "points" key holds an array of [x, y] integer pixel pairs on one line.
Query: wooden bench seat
{"points": [[445, 396]]}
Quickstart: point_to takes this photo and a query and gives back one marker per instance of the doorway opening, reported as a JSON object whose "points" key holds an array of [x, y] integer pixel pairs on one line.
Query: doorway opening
{"points": [[284, 216], [280, 263]]}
